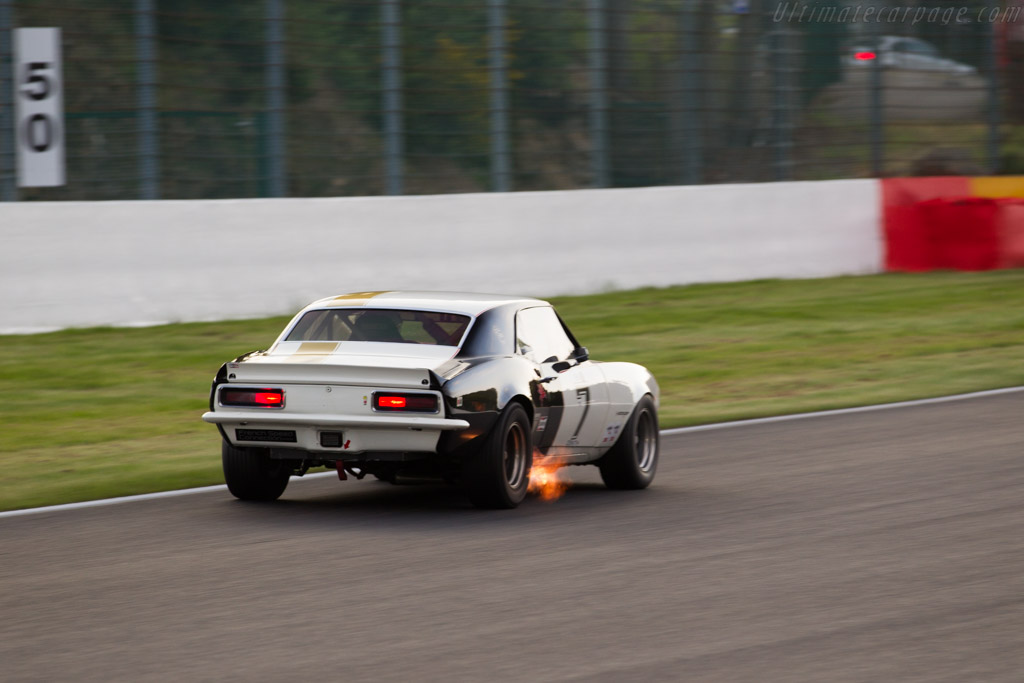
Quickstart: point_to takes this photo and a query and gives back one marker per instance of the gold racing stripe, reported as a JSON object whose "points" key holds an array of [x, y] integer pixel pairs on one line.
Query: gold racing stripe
{"points": [[312, 352], [317, 352], [314, 347], [354, 299]]}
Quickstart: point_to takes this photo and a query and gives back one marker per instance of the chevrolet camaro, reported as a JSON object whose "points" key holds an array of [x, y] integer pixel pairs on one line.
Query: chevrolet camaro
{"points": [[472, 389]]}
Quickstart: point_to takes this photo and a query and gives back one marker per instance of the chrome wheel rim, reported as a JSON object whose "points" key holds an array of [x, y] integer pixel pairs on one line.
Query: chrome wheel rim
{"points": [[514, 456], [646, 445]]}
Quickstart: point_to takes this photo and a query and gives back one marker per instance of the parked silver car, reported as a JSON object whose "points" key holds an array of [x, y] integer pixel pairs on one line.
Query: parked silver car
{"points": [[900, 52]]}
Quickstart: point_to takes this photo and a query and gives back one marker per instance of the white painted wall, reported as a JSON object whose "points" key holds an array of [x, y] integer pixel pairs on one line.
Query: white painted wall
{"points": [[70, 264]]}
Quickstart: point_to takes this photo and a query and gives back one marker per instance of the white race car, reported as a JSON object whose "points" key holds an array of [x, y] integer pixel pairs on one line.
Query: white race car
{"points": [[469, 388]]}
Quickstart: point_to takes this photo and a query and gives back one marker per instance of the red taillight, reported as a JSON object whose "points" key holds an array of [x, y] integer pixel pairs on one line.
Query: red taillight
{"points": [[391, 401], [863, 56], [268, 398], [252, 398], [419, 403]]}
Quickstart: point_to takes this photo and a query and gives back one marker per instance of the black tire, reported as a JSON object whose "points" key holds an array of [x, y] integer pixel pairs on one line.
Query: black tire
{"points": [[633, 460], [498, 475], [252, 475]]}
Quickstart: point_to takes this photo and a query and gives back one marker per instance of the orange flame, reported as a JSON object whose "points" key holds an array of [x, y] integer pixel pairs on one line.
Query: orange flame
{"points": [[547, 481]]}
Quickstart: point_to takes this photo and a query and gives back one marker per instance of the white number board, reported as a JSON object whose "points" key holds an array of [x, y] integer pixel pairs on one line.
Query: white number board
{"points": [[38, 107]]}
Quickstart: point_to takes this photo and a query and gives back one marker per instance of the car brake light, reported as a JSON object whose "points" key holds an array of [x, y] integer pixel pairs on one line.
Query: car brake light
{"points": [[863, 56], [268, 398], [421, 403], [252, 398]]}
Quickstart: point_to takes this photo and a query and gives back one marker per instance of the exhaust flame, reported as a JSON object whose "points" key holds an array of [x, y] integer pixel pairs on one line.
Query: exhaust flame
{"points": [[547, 480]]}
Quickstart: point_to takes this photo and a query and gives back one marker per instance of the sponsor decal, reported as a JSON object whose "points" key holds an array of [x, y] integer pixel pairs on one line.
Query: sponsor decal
{"points": [[611, 433], [542, 423]]}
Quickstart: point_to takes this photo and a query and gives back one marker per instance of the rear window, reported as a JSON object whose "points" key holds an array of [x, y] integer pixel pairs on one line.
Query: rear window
{"points": [[380, 325]]}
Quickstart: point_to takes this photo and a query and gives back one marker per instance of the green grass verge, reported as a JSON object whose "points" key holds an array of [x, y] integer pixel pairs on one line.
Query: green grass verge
{"points": [[106, 412]]}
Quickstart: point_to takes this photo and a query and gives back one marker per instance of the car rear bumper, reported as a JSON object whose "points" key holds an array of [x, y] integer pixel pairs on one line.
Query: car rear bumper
{"points": [[371, 421], [336, 434]]}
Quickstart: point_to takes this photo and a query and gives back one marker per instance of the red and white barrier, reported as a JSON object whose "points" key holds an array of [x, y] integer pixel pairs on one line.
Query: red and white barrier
{"points": [[953, 223], [72, 264]]}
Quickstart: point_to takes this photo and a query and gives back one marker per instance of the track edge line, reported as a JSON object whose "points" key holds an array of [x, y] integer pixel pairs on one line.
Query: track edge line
{"points": [[842, 411], [664, 432]]}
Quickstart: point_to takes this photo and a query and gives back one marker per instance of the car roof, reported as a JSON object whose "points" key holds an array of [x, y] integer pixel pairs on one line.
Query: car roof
{"points": [[466, 303]]}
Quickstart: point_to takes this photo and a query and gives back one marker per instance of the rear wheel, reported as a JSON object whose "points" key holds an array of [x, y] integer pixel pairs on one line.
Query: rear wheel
{"points": [[251, 474], [498, 476], [633, 460]]}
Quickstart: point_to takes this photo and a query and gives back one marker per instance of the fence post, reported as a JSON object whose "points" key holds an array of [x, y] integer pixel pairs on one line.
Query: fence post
{"points": [[785, 101], [994, 113], [500, 163], [875, 118], [146, 100], [276, 181], [8, 186], [598, 63], [739, 108], [391, 84], [691, 116]]}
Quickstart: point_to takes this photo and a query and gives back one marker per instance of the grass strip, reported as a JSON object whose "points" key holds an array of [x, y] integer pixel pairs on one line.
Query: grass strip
{"points": [[103, 412]]}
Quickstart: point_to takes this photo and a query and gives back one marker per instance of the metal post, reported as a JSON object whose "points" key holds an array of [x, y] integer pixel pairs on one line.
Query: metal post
{"points": [[8, 186], [598, 93], [692, 73], [744, 57], [500, 166], [993, 91], [145, 100], [875, 120], [276, 182], [391, 87], [785, 101]]}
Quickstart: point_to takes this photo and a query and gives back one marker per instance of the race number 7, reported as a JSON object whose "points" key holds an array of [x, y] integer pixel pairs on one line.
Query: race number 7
{"points": [[584, 396]]}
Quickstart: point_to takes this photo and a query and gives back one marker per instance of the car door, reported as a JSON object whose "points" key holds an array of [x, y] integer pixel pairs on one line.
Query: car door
{"points": [[897, 55], [574, 400], [922, 56]]}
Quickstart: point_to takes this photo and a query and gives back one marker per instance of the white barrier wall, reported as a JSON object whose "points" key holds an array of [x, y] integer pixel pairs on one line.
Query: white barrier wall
{"points": [[69, 264]]}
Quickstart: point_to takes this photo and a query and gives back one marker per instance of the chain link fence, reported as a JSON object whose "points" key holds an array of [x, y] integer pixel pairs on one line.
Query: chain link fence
{"points": [[193, 99]]}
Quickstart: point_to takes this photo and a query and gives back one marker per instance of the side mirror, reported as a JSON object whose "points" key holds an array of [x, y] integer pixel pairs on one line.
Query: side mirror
{"points": [[561, 366], [581, 354]]}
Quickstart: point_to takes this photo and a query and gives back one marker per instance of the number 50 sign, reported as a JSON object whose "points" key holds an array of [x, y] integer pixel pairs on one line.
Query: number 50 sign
{"points": [[38, 107]]}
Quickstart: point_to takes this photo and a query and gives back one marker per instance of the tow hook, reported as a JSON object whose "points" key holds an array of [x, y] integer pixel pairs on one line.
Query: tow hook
{"points": [[343, 468]]}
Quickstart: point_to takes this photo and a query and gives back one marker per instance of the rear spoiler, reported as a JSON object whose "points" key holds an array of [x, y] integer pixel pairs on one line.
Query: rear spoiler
{"points": [[318, 373]]}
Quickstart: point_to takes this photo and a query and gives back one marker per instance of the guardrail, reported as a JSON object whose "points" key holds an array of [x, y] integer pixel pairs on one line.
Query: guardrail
{"points": [[71, 264]]}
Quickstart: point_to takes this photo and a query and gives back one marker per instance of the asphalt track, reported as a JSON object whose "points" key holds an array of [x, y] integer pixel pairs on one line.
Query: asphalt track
{"points": [[874, 546]]}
